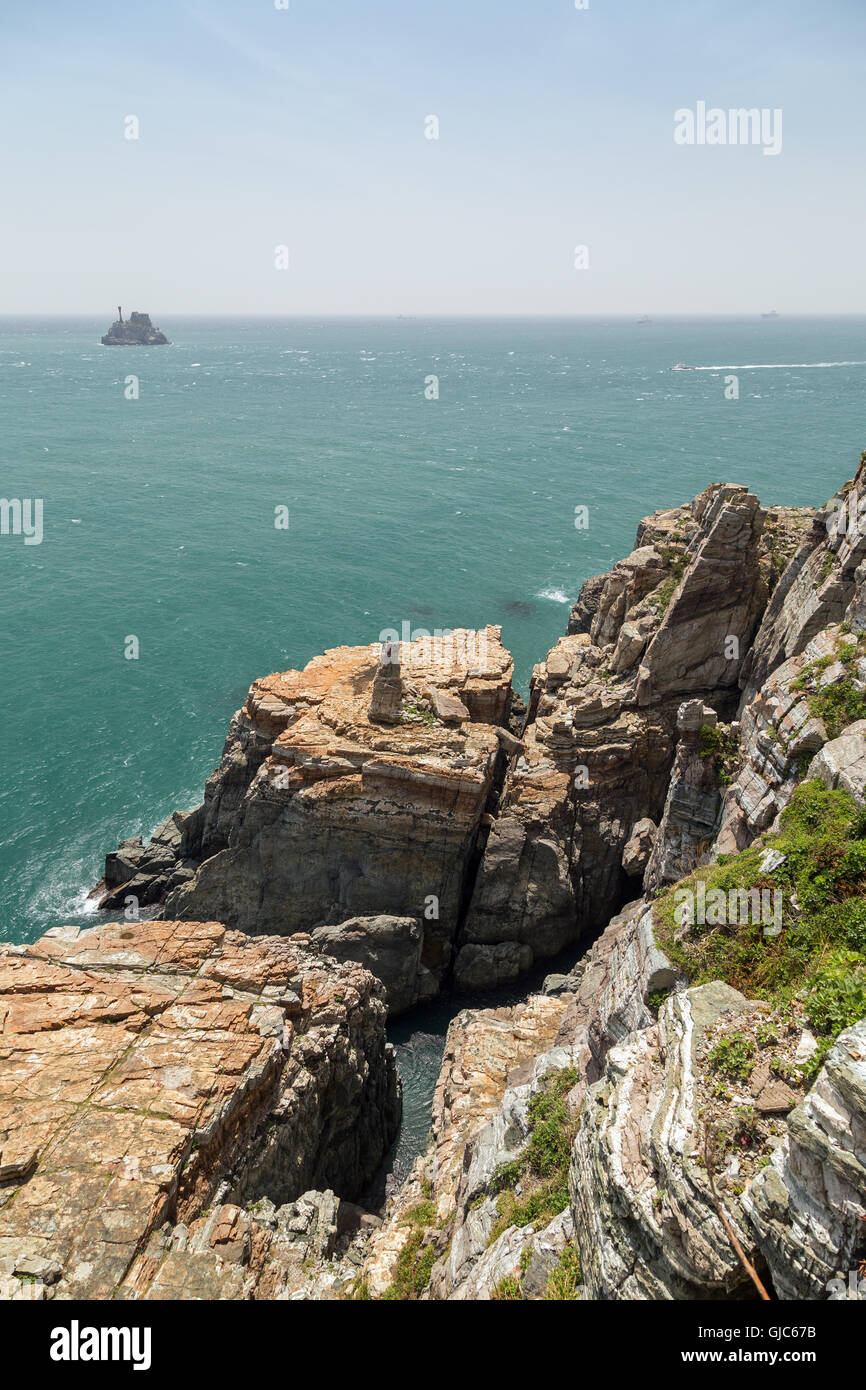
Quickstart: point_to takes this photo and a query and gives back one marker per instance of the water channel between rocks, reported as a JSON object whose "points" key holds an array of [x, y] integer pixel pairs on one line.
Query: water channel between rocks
{"points": [[419, 1042]]}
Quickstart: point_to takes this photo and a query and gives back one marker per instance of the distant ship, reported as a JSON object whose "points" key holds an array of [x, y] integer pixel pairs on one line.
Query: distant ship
{"points": [[136, 331], [645, 319], [772, 315], [682, 367]]}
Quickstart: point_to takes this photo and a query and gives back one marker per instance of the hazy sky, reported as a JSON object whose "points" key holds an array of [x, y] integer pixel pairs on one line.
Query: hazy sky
{"points": [[261, 127]]}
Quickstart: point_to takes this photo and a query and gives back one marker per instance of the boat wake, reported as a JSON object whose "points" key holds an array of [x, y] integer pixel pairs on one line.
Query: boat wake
{"points": [[775, 366]]}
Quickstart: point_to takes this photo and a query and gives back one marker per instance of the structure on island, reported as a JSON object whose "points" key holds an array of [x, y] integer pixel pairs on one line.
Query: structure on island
{"points": [[137, 331]]}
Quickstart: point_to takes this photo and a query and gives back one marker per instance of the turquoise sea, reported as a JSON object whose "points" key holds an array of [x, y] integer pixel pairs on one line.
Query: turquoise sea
{"points": [[158, 523], [159, 519]]}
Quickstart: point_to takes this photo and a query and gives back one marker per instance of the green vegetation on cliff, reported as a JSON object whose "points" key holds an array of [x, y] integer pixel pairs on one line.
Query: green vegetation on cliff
{"points": [[540, 1172], [721, 745], [840, 703], [819, 957], [418, 1256]]}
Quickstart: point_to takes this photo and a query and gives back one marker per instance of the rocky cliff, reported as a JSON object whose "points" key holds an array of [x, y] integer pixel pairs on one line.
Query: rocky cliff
{"points": [[695, 1129], [352, 800], [346, 792], [680, 1115], [156, 1079]]}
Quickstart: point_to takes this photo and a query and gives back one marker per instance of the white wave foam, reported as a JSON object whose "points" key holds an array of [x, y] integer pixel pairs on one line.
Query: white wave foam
{"points": [[555, 595], [776, 366]]}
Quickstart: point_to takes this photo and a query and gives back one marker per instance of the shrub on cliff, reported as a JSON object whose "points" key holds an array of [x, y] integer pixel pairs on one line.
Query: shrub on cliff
{"points": [[819, 957], [540, 1171], [840, 703]]}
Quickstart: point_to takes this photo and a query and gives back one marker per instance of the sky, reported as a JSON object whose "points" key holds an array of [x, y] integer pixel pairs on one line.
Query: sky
{"points": [[306, 128]]}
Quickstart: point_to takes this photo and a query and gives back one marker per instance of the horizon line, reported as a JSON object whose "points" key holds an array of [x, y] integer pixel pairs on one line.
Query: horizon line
{"points": [[748, 316]]}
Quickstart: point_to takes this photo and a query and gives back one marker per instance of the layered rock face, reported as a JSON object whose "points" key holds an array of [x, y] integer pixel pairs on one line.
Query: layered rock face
{"points": [[333, 803], [808, 1207], [691, 811], [486, 1054], [643, 1206], [152, 1070], [821, 597], [819, 586], [661, 1202], [673, 620]]}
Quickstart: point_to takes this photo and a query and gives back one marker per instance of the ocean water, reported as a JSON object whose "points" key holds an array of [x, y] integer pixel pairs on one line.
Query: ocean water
{"points": [[159, 520]]}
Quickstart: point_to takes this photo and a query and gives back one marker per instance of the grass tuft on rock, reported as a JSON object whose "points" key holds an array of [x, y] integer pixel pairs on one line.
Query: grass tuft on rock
{"points": [[819, 958], [841, 703], [563, 1282], [533, 1188]]}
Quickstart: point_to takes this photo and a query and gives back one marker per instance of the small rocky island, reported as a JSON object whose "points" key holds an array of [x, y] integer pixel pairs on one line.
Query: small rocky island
{"points": [[136, 331]]}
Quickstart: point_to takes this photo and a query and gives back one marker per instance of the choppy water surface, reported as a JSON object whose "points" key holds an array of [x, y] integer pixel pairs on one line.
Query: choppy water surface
{"points": [[159, 523]]}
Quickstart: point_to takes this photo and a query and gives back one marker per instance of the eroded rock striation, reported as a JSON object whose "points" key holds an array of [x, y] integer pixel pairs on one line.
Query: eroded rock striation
{"points": [[670, 623], [354, 789], [152, 1072]]}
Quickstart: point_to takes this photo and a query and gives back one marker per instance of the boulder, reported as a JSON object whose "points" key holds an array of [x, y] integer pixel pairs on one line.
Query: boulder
{"points": [[638, 847], [485, 967], [390, 948], [841, 763]]}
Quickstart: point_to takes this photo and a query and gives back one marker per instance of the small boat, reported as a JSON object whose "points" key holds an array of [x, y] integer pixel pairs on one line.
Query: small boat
{"points": [[682, 367], [772, 315], [645, 318]]}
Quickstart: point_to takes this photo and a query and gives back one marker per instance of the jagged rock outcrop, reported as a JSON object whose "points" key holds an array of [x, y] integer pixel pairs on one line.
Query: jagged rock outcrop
{"points": [[690, 817], [390, 948], [779, 736], [818, 588], [148, 1071], [672, 620], [635, 856], [307, 1249], [644, 1214], [369, 784], [822, 588], [808, 1206], [145, 873], [841, 763], [584, 611], [319, 813]]}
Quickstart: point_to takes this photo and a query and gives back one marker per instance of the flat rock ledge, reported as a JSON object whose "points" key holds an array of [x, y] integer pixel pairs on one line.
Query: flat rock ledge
{"points": [[157, 1077]]}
